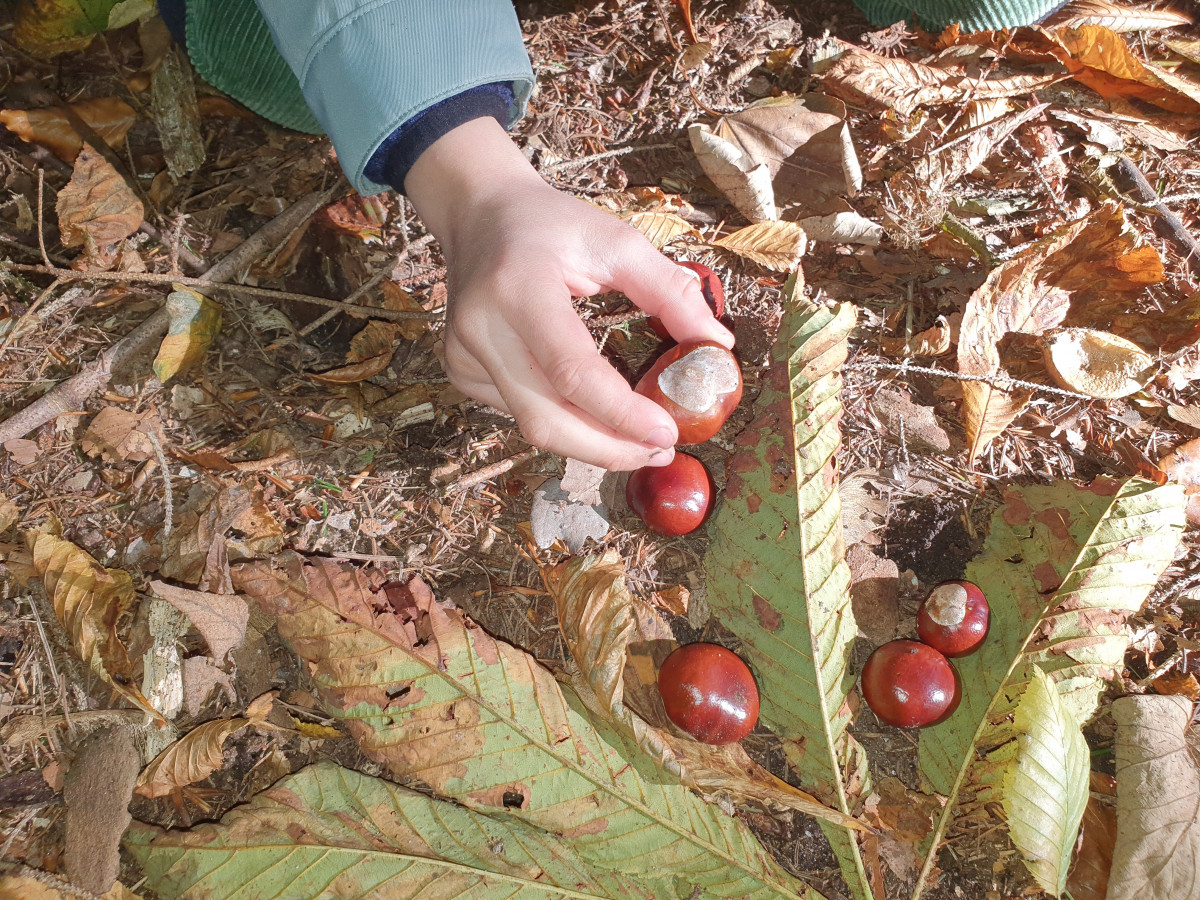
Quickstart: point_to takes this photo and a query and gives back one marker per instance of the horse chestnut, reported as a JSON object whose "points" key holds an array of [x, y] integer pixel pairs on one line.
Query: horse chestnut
{"points": [[673, 499], [710, 286], [699, 384], [909, 685], [709, 693], [954, 618]]}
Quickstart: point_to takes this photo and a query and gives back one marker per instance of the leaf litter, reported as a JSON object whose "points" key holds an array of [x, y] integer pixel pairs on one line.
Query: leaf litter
{"points": [[906, 171]]}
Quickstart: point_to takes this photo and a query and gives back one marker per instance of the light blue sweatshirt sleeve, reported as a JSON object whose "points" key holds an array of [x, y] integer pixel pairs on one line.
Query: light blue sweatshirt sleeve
{"points": [[367, 66]]}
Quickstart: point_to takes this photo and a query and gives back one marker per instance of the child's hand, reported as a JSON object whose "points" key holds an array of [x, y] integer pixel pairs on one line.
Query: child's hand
{"points": [[517, 251]]}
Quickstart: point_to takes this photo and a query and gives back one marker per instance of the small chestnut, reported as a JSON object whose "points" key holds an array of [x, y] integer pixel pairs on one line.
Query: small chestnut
{"points": [[954, 618], [673, 499], [909, 685], [710, 286], [699, 384], [709, 693]]}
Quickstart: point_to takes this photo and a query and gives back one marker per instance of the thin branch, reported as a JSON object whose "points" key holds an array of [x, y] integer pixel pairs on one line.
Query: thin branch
{"points": [[70, 395], [206, 282], [41, 236], [495, 470], [596, 157], [1003, 382], [1146, 193]]}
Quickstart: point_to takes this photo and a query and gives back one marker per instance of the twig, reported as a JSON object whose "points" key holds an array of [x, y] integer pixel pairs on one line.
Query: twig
{"points": [[168, 493], [206, 282], [496, 469], [616, 319], [41, 237], [596, 157], [70, 395], [370, 283], [1003, 382], [1149, 196]]}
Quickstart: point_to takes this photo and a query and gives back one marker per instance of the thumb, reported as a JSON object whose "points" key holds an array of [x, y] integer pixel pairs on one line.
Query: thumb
{"points": [[661, 288]]}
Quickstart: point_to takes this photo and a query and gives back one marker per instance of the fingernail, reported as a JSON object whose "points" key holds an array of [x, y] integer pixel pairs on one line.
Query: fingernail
{"points": [[661, 457], [661, 437]]}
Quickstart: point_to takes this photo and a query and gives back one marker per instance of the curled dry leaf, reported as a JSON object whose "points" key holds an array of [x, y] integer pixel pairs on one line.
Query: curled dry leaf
{"points": [[862, 78], [933, 341], [195, 322], [198, 753], [1093, 861], [1100, 58], [117, 434], [1116, 17], [97, 209], [10, 514], [1157, 853], [1096, 363], [805, 144], [843, 228], [777, 246], [745, 181], [110, 117], [597, 616], [88, 600]]}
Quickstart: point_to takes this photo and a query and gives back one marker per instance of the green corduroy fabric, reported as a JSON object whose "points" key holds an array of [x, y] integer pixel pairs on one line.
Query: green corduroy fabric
{"points": [[973, 15], [231, 47]]}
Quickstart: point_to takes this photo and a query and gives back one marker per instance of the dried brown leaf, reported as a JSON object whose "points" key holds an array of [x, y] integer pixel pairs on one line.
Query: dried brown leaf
{"points": [[1157, 852], [10, 514], [1182, 465], [582, 482], [937, 171], [200, 676], [918, 424], [1096, 363], [382, 337], [933, 341], [1099, 58], [804, 142], [110, 117], [1023, 295], [354, 372], [1116, 17], [118, 435], [865, 79], [659, 227], [774, 245], [97, 209], [88, 600], [746, 182], [221, 619], [198, 753]]}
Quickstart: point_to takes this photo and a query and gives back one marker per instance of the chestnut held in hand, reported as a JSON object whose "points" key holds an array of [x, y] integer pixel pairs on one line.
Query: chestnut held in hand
{"points": [[709, 693], [713, 292], [699, 384], [909, 685], [673, 499], [954, 618]]}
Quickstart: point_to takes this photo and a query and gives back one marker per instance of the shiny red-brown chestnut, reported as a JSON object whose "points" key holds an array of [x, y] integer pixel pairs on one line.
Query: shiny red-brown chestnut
{"points": [[699, 384], [673, 499], [954, 618], [710, 286], [709, 693], [909, 685]]}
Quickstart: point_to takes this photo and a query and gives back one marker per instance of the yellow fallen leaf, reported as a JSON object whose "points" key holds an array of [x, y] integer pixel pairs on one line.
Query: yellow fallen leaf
{"points": [[660, 227], [195, 321], [88, 600], [774, 245]]}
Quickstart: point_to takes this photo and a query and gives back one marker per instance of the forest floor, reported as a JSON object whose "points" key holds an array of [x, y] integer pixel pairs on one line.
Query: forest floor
{"points": [[279, 437]]}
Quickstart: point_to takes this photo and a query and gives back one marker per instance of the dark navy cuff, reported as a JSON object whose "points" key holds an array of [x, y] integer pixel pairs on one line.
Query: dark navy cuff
{"points": [[396, 155]]}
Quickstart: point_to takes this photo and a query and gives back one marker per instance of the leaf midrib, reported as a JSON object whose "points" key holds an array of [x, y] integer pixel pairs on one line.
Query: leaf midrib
{"points": [[1018, 658], [548, 749]]}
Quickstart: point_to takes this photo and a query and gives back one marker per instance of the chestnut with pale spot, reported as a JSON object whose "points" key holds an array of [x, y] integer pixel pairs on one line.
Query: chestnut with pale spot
{"points": [[709, 693], [698, 384], [954, 618]]}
